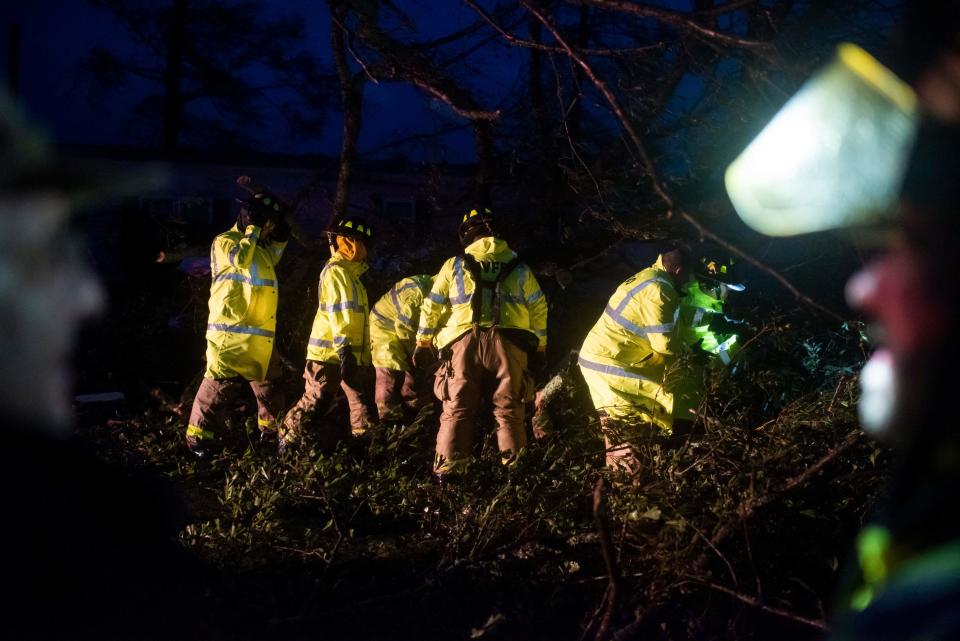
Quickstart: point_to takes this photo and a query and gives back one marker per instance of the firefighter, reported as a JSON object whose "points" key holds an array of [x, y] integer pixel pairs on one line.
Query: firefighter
{"points": [[625, 357], [339, 345], [493, 335], [393, 329], [704, 328], [242, 323]]}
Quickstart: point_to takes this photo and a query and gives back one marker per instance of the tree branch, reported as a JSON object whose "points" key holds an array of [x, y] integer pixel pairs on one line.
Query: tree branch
{"points": [[611, 100], [760, 605], [681, 20], [649, 165], [733, 249], [351, 98], [401, 62], [609, 560], [532, 44]]}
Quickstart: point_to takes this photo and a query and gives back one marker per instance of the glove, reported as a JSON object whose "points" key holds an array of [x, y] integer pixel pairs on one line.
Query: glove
{"points": [[348, 367], [281, 230], [536, 362], [251, 215], [424, 357]]}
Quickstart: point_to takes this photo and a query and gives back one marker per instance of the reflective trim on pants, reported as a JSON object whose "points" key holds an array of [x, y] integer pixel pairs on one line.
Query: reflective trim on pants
{"points": [[215, 395], [321, 383]]}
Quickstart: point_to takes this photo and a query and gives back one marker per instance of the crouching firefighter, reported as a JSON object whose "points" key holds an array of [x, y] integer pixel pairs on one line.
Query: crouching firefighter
{"points": [[243, 317], [495, 332], [393, 328], [626, 357], [338, 352]]}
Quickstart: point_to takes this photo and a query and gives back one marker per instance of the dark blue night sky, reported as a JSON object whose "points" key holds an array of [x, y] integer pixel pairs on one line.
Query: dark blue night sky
{"points": [[57, 36]]}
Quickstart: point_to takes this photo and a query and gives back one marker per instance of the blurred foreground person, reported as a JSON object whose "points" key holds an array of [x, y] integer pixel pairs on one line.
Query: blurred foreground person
{"points": [[905, 583], [88, 550], [625, 357], [393, 329], [242, 324], [338, 353], [487, 313]]}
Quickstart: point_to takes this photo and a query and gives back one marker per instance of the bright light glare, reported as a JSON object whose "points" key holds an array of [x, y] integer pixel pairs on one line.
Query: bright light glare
{"points": [[878, 394], [833, 156]]}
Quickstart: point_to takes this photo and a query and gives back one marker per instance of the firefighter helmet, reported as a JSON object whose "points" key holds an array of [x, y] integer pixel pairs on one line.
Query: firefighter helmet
{"points": [[476, 223]]}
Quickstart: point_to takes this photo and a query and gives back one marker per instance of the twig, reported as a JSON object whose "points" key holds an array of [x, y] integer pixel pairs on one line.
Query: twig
{"points": [[753, 564], [644, 156], [733, 575], [814, 469], [756, 603], [349, 48], [307, 609], [610, 98], [676, 18], [835, 392], [484, 520], [530, 44], [750, 505], [730, 247], [609, 560]]}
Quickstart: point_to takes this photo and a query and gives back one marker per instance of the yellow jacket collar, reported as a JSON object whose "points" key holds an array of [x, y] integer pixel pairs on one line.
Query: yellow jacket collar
{"points": [[490, 248], [351, 266]]}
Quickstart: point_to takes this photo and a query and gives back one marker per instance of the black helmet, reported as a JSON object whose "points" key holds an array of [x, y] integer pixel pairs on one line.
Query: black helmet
{"points": [[352, 227], [262, 204], [713, 271], [476, 223]]}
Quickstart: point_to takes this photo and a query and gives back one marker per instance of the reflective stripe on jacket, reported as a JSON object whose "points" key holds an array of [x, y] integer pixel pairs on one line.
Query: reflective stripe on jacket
{"points": [[243, 304], [522, 303], [629, 346], [394, 320], [341, 318], [697, 309]]}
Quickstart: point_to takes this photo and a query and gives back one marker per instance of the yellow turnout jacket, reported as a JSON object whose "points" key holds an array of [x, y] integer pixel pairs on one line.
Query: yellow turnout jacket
{"points": [[341, 319], [243, 304], [394, 320], [625, 356], [521, 306]]}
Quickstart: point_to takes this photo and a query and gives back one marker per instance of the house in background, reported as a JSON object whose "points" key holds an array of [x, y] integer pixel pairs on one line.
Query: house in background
{"points": [[404, 202]]}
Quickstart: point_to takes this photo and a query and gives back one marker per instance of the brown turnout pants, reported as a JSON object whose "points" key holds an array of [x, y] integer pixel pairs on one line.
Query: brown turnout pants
{"points": [[217, 394], [395, 388], [480, 359], [321, 382]]}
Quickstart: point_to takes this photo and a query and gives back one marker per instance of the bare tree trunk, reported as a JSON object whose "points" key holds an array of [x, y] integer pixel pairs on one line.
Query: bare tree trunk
{"points": [[483, 185], [576, 110], [538, 102], [351, 99], [173, 76]]}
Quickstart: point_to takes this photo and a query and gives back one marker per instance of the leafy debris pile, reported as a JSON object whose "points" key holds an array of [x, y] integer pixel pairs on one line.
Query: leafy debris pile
{"points": [[736, 530]]}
